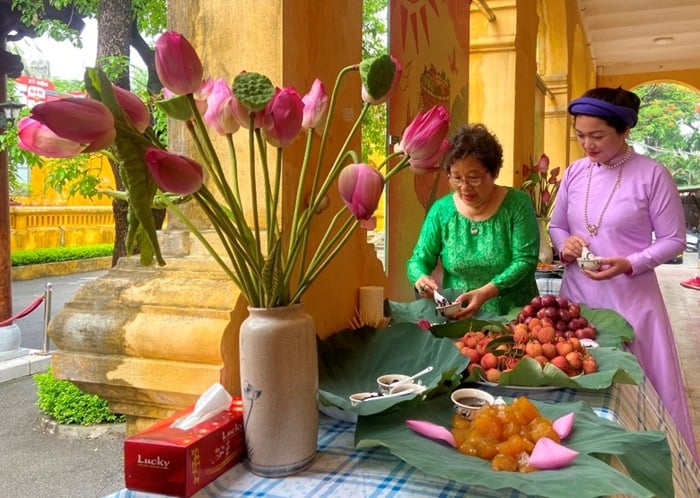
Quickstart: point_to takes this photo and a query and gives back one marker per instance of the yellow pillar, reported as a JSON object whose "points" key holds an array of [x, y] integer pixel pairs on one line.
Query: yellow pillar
{"points": [[151, 340], [502, 81]]}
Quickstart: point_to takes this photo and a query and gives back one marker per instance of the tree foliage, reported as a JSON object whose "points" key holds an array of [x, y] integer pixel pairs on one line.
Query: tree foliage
{"points": [[669, 129], [374, 42]]}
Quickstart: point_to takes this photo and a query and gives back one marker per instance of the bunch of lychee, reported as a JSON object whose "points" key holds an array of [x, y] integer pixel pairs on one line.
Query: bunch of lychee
{"points": [[538, 333]]}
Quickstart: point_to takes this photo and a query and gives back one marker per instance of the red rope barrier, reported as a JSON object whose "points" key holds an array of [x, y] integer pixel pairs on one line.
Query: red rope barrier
{"points": [[32, 306]]}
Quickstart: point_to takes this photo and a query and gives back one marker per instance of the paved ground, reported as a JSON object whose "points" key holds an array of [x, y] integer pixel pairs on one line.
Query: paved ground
{"points": [[35, 464]]}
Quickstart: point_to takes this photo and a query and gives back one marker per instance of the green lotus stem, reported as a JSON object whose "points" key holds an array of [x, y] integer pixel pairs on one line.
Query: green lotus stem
{"points": [[322, 266], [300, 185], [327, 126], [234, 167], [401, 165]]}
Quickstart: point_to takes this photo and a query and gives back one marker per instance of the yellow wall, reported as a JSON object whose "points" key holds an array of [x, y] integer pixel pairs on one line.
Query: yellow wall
{"points": [[43, 195]]}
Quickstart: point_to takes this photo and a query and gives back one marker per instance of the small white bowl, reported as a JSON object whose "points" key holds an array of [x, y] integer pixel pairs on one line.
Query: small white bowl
{"points": [[468, 401], [386, 382], [450, 310], [589, 264]]}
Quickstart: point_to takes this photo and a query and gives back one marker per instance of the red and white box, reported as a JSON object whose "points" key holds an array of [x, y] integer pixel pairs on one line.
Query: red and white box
{"points": [[178, 462]]}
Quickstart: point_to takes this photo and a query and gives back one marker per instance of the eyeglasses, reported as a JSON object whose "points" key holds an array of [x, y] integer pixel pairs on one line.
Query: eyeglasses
{"points": [[472, 182]]}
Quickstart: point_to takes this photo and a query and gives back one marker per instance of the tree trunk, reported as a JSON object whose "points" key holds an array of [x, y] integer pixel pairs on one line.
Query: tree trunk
{"points": [[113, 38]]}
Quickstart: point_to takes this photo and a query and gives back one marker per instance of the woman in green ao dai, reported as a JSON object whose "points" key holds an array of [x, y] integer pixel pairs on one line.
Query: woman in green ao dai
{"points": [[485, 235]]}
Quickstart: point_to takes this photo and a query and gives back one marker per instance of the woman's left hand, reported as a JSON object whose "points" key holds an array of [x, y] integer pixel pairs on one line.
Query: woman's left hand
{"points": [[475, 299], [610, 268]]}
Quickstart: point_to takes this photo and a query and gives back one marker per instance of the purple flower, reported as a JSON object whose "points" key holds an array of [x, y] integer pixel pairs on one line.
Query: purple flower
{"points": [[219, 114], [80, 120], [315, 105], [424, 137], [361, 187], [174, 173], [177, 64], [133, 107], [39, 139], [283, 117]]}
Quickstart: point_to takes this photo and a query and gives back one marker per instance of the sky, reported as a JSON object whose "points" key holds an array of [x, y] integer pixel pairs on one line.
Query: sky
{"points": [[64, 61]]}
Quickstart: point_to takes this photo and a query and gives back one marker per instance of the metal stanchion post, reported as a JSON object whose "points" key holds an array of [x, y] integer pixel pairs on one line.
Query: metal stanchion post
{"points": [[47, 317]]}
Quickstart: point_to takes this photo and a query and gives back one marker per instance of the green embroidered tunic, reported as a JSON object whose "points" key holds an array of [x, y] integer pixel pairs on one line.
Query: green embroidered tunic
{"points": [[504, 251]]}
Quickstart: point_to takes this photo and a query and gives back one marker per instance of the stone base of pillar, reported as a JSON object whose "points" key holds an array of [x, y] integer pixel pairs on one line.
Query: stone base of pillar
{"points": [[151, 340]]}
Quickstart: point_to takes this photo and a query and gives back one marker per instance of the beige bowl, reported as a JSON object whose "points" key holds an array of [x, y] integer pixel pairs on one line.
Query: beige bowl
{"points": [[588, 264], [450, 310], [468, 401], [385, 383]]}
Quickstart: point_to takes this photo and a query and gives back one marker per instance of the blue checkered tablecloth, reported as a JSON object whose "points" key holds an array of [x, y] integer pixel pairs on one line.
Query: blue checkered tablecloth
{"points": [[548, 285], [342, 471]]}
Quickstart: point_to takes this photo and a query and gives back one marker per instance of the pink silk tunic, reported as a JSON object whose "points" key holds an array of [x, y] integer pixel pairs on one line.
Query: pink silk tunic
{"points": [[646, 201]]}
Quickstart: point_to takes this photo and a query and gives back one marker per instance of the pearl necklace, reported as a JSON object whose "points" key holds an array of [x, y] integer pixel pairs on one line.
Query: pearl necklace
{"points": [[623, 160], [593, 227]]}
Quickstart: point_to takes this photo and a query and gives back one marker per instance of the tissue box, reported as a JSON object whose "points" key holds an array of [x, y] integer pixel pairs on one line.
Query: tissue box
{"points": [[177, 462]]}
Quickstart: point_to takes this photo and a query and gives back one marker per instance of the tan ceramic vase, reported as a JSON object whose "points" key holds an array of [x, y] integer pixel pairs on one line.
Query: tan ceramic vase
{"points": [[546, 253], [279, 384]]}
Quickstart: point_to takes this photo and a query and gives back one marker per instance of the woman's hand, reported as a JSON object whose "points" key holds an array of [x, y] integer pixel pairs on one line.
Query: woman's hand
{"points": [[425, 286], [610, 268], [475, 299], [573, 247]]}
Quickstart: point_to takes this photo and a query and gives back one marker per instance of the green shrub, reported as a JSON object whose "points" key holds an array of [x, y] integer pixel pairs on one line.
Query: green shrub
{"points": [[54, 254], [65, 403]]}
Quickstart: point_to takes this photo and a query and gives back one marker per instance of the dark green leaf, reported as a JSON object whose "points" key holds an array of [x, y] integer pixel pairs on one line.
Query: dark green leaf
{"points": [[646, 455], [350, 362]]}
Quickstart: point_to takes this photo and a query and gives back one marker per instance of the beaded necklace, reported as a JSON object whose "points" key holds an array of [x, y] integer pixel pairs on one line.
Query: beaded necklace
{"points": [[593, 227]]}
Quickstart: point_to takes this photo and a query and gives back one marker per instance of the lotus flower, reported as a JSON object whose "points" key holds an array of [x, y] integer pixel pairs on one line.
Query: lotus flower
{"points": [[177, 64], [548, 455], [174, 173], [39, 139], [361, 187]]}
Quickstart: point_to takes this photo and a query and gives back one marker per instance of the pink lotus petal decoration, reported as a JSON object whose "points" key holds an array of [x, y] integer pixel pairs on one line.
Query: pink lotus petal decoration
{"points": [[432, 431], [548, 455], [562, 426]]}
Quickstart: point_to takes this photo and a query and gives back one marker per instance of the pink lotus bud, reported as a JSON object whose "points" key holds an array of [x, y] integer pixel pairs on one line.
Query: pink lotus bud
{"points": [[361, 187], [377, 77], [315, 105], [39, 139], [174, 173], [177, 64], [429, 164], [133, 107], [543, 164], [219, 113], [85, 121], [554, 174], [201, 95], [423, 138], [283, 117]]}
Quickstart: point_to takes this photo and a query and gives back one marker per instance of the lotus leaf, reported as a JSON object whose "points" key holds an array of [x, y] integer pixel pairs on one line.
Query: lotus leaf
{"points": [[351, 360], [614, 364], [645, 455]]}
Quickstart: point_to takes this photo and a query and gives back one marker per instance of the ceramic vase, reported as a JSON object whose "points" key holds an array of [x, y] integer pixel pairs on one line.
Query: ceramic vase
{"points": [[279, 385], [546, 253]]}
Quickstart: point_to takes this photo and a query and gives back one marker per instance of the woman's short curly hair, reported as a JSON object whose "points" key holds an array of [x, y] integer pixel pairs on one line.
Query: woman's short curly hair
{"points": [[477, 141]]}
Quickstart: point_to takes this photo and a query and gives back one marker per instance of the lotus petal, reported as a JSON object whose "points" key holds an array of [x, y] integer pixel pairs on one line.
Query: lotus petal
{"points": [[562, 425], [432, 431], [548, 455]]}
